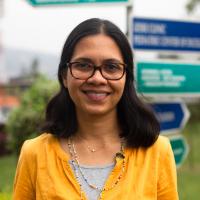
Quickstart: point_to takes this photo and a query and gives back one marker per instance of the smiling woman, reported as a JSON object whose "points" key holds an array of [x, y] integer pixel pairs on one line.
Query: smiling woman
{"points": [[92, 91], [99, 140]]}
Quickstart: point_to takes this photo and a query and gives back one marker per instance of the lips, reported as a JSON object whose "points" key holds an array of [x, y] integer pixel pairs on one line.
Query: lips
{"points": [[96, 95]]}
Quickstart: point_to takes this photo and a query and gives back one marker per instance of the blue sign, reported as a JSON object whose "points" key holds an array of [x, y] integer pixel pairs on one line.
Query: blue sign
{"points": [[172, 116], [159, 34]]}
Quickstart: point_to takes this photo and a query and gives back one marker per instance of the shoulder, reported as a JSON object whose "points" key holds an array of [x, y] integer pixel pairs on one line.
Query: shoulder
{"points": [[153, 154], [162, 143], [38, 144], [161, 147]]}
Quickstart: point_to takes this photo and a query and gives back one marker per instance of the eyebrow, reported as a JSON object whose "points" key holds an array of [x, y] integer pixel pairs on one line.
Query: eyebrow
{"points": [[113, 60], [82, 59]]}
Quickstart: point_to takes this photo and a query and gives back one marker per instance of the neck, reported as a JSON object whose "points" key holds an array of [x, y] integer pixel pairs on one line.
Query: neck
{"points": [[97, 136], [99, 128]]}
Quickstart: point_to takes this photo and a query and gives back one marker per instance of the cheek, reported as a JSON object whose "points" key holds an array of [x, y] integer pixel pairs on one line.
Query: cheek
{"points": [[73, 86], [119, 88], [72, 91], [121, 91], [122, 85], [69, 81]]}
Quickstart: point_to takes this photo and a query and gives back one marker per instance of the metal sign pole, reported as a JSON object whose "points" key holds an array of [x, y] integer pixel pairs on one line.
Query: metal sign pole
{"points": [[129, 9]]}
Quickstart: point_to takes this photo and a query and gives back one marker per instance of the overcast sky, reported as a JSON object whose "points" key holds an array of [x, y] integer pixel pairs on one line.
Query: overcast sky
{"points": [[46, 28]]}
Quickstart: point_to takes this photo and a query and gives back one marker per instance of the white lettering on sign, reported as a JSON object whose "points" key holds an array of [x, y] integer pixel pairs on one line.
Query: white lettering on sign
{"points": [[170, 41], [161, 78], [178, 151], [165, 117], [152, 28], [149, 40], [166, 41]]}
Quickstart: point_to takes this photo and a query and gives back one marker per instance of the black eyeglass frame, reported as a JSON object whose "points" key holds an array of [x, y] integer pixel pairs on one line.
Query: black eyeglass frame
{"points": [[95, 67]]}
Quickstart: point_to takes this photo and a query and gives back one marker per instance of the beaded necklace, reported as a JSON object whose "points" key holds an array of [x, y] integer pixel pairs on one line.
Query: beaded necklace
{"points": [[119, 155]]}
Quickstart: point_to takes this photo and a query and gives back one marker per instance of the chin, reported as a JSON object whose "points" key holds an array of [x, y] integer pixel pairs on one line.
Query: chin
{"points": [[95, 112], [98, 111]]}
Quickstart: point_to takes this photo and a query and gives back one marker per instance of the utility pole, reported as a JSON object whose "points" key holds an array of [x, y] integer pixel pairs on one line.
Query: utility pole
{"points": [[129, 9]]}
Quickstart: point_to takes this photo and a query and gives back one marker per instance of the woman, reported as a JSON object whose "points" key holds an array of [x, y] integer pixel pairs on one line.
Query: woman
{"points": [[100, 141]]}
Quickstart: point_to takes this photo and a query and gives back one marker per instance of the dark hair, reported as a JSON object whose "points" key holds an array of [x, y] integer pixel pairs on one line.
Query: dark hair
{"points": [[140, 127]]}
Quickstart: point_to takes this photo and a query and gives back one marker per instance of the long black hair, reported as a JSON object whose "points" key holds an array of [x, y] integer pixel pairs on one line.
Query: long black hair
{"points": [[139, 125]]}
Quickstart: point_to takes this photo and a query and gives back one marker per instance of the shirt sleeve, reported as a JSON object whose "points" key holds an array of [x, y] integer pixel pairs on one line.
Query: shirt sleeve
{"points": [[167, 177], [23, 183]]}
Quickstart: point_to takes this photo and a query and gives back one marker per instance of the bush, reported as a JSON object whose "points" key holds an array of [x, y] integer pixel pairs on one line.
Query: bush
{"points": [[3, 141], [24, 122], [194, 111]]}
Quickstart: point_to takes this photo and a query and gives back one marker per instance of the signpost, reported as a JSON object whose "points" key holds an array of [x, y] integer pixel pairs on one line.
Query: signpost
{"points": [[59, 2], [165, 78], [172, 116], [180, 149], [170, 35], [168, 79]]}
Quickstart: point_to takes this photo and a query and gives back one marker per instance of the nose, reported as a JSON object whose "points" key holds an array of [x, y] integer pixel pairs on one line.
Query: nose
{"points": [[97, 77]]}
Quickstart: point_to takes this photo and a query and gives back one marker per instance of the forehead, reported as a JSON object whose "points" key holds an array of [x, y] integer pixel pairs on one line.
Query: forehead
{"points": [[98, 46]]}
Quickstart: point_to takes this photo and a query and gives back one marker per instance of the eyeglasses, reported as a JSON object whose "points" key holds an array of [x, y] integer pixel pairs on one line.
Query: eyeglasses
{"points": [[85, 70]]}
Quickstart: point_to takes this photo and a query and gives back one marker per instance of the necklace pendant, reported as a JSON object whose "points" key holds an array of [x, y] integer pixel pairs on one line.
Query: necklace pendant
{"points": [[120, 155], [93, 150]]}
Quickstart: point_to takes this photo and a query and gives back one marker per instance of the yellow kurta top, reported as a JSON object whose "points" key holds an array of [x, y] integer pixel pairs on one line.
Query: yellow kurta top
{"points": [[44, 173]]}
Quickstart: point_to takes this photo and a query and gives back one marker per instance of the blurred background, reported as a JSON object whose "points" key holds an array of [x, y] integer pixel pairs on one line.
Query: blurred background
{"points": [[31, 40]]}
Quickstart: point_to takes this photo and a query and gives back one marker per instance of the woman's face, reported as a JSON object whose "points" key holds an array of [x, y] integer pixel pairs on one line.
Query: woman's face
{"points": [[95, 95]]}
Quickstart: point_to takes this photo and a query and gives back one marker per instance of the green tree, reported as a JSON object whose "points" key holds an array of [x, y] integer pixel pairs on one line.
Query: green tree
{"points": [[34, 68], [192, 4], [24, 122]]}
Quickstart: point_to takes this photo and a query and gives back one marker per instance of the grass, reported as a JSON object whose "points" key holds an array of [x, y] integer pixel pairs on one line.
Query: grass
{"points": [[5, 196], [188, 182], [7, 171], [188, 173]]}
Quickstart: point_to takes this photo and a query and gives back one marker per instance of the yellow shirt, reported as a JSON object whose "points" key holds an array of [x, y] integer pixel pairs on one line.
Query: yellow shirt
{"points": [[44, 173]]}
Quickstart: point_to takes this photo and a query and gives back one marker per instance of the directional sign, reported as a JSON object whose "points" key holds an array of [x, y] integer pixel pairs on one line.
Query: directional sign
{"points": [[59, 2], [172, 116], [180, 149], [155, 78], [159, 34]]}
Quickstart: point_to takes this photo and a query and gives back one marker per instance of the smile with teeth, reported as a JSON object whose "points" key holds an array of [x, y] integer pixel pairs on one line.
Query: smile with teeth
{"points": [[96, 96]]}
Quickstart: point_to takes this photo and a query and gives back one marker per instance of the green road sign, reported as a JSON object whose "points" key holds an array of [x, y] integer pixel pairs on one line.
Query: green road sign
{"points": [[180, 148], [59, 2], [155, 78]]}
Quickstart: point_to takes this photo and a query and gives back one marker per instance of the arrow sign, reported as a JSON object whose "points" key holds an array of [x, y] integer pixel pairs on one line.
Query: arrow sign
{"points": [[172, 116], [180, 149]]}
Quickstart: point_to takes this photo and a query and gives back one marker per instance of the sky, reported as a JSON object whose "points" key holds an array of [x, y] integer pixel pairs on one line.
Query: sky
{"points": [[44, 29]]}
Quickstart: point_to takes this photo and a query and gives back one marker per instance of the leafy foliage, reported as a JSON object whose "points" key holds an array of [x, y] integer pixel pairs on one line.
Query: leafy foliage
{"points": [[24, 122], [194, 111], [192, 4]]}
